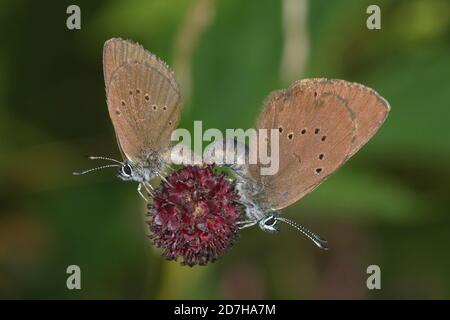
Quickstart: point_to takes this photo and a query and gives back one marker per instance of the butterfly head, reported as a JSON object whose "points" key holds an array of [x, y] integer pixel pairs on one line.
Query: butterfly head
{"points": [[126, 172], [135, 171], [269, 223]]}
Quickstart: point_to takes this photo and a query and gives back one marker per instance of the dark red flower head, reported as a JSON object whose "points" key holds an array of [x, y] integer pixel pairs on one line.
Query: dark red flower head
{"points": [[194, 215]]}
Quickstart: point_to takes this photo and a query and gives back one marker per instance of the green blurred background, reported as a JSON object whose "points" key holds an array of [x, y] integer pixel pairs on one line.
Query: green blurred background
{"points": [[388, 206]]}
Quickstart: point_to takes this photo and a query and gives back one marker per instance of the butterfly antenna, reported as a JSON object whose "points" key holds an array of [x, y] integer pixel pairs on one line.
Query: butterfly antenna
{"points": [[105, 158], [95, 169], [321, 243]]}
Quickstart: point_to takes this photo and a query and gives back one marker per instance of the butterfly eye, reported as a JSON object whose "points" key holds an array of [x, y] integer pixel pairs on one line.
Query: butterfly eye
{"points": [[126, 170], [270, 221], [269, 224]]}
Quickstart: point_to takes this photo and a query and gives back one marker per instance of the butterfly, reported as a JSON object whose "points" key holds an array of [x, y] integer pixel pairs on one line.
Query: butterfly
{"points": [[143, 99], [321, 123]]}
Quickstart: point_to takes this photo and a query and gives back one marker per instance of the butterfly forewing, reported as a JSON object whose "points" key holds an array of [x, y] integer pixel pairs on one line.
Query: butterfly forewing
{"points": [[143, 98], [316, 134], [117, 52]]}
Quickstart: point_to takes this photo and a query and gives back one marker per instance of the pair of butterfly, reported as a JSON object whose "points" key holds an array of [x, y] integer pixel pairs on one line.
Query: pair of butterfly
{"points": [[321, 124]]}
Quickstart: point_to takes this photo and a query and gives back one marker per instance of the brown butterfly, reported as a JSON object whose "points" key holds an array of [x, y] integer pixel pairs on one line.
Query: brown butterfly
{"points": [[321, 124], [143, 100]]}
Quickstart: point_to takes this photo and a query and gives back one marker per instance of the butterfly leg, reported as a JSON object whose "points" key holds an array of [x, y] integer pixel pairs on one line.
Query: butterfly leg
{"points": [[170, 168], [246, 223], [147, 185], [140, 192], [164, 179]]}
